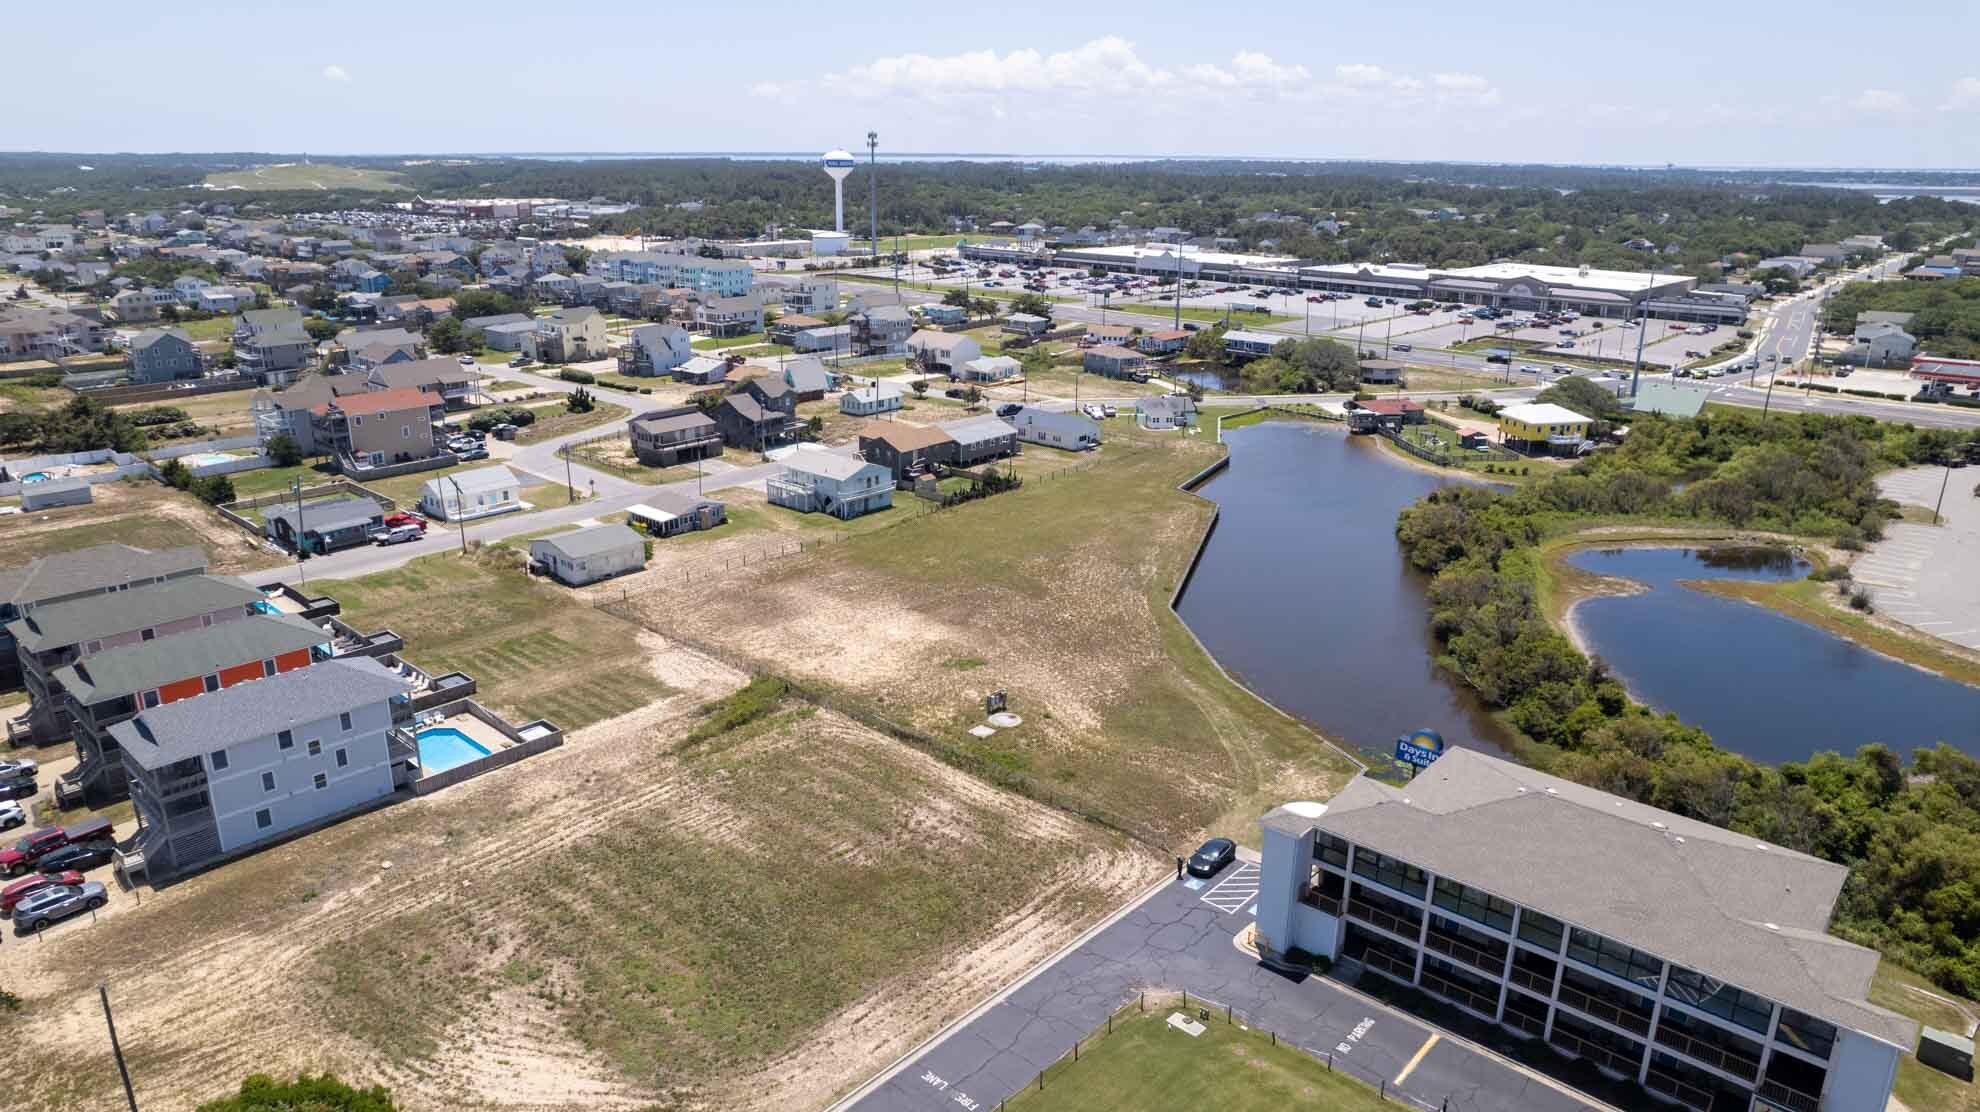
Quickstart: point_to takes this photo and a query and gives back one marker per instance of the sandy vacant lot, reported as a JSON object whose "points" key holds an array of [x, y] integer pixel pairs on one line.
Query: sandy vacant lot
{"points": [[759, 922]]}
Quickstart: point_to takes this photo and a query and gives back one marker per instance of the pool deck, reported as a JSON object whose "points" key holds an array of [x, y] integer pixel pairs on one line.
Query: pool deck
{"points": [[479, 732]]}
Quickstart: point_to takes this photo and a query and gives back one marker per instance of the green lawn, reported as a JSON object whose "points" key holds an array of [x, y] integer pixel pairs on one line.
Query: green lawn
{"points": [[533, 652], [1919, 1086], [553, 420], [1203, 314], [704, 344], [1146, 1064], [212, 328]]}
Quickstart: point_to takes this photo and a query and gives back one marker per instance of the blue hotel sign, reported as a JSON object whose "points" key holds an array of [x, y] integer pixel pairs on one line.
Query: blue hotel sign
{"points": [[1420, 748]]}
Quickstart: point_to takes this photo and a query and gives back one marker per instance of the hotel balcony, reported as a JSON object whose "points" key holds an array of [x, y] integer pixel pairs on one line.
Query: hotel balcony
{"points": [[1603, 1010], [1728, 1061], [1457, 949], [1375, 917], [1600, 1055]]}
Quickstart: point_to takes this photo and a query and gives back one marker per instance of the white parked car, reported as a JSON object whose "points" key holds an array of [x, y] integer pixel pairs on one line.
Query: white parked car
{"points": [[12, 815], [21, 767]]}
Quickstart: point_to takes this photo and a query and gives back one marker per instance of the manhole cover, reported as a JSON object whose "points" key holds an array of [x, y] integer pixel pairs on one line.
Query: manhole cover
{"points": [[1004, 720]]}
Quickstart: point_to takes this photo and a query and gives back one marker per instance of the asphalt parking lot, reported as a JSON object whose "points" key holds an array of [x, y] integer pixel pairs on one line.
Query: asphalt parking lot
{"points": [[1922, 575], [1181, 937]]}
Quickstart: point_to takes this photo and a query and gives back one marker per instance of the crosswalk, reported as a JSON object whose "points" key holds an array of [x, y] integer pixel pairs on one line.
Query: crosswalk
{"points": [[1235, 892]]}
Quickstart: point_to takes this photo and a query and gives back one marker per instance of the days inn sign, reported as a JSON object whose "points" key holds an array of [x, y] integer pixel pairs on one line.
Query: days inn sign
{"points": [[1419, 748]]}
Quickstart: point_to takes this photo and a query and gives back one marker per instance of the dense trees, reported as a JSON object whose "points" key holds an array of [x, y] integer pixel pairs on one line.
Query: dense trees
{"points": [[1301, 367], [1913, 841], [446, 337], [1945, 314]]}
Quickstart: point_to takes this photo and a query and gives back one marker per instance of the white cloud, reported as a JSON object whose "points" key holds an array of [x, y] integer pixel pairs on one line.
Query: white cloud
{"points": [[1881, 100], [1253, 68], [1965, 95], [1361, 73], [1468, 87], [336, 73], [1104, 63]]}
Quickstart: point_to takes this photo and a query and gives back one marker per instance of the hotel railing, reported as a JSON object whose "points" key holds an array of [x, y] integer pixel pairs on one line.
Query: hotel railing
{"points": [[1532, 982], [1394, 924], [1594, 1052], [1314, 898], [1519, 1021], [1394, 967], [1603, 1010], [1687, 1094], [1457, 993], [1465, 952], [1792, 1099], [1731, 1061]]}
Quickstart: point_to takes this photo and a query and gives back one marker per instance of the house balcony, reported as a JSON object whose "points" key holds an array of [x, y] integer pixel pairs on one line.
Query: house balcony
{"points": [[1743, 1066]]}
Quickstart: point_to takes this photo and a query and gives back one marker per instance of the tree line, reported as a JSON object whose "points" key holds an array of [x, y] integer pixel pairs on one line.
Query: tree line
{"points": [[1910, 833]]}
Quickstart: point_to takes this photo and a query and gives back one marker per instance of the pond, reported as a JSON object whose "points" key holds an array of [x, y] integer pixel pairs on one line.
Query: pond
{"points": [[1303, 594], [1761, 684]]}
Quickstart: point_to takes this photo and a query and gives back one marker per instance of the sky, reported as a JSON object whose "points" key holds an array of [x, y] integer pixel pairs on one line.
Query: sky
{"points": [[1763, 84]]}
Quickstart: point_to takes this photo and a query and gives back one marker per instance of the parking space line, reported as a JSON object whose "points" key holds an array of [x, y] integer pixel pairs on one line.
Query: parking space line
{"points": [[1410, 1066], [1235, 891]]}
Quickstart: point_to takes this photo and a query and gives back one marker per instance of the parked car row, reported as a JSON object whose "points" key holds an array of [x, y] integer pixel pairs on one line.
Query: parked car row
{"points": [[17, 780], [48, 866]]}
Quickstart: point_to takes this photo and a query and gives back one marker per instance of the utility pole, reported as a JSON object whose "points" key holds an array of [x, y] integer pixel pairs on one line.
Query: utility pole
{"points": [[570, 488], [873, 191], [130, 1096], [1179, 289], [1946, 478], [1642, 326], [302, 576], [460, 504]]}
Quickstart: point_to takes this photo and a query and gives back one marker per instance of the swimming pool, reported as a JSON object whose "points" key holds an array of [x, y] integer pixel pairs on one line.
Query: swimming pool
{"points": [[36, 477], [443, 747], [207, 459]]}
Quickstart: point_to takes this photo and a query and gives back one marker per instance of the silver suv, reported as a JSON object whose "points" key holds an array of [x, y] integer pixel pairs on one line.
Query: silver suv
{"points": [[57, 902]]}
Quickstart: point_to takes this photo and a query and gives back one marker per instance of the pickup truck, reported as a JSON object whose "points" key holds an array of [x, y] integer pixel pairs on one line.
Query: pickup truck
{"points": [[21, 856]]}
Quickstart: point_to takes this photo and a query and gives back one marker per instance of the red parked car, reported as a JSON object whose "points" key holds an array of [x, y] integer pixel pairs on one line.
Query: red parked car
{"points": [[396, 520], [28, 885], [21, 856]]}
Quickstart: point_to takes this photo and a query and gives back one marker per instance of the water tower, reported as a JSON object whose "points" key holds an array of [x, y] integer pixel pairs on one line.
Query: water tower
{"points": [[838, 164]]}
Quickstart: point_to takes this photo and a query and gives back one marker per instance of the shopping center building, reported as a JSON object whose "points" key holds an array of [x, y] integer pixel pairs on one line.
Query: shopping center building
{"points": [[1688, 959]]}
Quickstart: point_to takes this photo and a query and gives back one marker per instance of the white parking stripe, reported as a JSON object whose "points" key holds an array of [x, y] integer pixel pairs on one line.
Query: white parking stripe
{"points": [[1235, 891]]}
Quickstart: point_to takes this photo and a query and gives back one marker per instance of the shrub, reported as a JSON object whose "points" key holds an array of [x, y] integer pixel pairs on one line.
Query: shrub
{"points": [[1851, 540], [283, 449], [569, 374], [1859, 599], [324, 1093]]}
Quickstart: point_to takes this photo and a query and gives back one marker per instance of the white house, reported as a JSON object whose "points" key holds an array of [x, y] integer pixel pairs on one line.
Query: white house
{"points": [[656, 349], [812, 296], [819, 481], [1057, 430], [467, 495], [188, 288], [881, 397], [942, 352], [1170, 411], [989, 368], [589, 555]]}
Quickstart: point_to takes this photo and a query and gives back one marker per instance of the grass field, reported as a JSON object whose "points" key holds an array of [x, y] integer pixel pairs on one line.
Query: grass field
{"points": [[533, 652], [1144, 1064], [136, 512], [229, 412], [553, 420], [1112, 686], [311, 176], [1203, 314], [211, 329], [1921, 1087]]}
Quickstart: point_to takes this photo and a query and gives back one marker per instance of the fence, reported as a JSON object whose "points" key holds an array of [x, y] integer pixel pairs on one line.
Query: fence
{"points": [[167, 391], [232, 510], [1204, 1010]]}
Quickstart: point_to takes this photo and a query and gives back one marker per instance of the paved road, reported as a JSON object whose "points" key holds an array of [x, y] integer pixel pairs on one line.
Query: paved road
{"points": [[1922, 575], [1181, 938]]}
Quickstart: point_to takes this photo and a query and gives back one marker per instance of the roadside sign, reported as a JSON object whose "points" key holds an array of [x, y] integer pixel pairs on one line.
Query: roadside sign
{"points": [[1420, 748]]}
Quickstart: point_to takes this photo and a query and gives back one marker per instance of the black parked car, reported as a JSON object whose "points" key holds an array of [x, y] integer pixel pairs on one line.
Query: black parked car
{"points": [[83, 855], [1212, 856], [19, 787], [1008, 409]]}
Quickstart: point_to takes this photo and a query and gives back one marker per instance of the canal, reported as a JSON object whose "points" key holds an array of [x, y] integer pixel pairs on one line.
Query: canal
{"points": [[1302, 591], [1760, 683]]}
